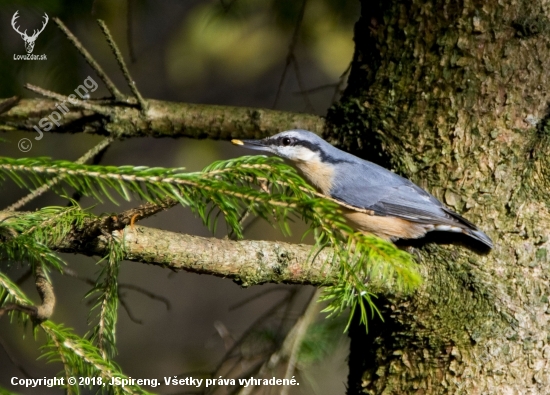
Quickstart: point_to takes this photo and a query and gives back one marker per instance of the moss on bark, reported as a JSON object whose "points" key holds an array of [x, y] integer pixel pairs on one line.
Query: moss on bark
{"points": [[453, 94]]}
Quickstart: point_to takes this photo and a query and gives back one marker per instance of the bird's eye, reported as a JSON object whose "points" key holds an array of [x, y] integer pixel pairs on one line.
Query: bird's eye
{"points": [[286, 141]]}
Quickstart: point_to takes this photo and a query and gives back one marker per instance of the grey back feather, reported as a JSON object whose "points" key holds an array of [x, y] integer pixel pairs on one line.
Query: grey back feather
{"points": [[369, 186]]}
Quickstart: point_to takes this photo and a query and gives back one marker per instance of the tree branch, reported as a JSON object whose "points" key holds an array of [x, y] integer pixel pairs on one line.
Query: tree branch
{"points": [[248, 262], [163, 119]]}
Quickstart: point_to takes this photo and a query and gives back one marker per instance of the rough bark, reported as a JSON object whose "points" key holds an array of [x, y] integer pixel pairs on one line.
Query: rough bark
{"points": [[247, 262], [453, 94]]}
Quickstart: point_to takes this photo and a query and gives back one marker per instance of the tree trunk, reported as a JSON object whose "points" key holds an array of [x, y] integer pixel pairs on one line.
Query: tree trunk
{"points": [[453, 94]]}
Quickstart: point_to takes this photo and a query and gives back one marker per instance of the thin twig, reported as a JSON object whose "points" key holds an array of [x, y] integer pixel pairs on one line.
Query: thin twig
{"points": [[245, 301], [62, 98], [123, 303], [225, 334], [91, 61], [245, 375], [317, 88], [121, 296], [29, 310], [43, 188], [309, 105], [133, 215], [290, 54], [244, 216], [341, 81], [94, 8], [290, 346], [131, 83], [128, 217], [44, 288], [12, 359], [270, 357], [300, 330], [261, 319], [336, 86], [130, 30], [47, 296], [147, 293], [71, 273], [24, 277]]}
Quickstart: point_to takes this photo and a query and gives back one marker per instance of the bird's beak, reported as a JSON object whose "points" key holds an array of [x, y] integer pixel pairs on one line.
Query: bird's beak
{"points": [[258, 145]]}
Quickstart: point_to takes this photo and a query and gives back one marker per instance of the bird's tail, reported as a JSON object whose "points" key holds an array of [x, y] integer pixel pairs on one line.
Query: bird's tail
{"points": [[469, 228], [478, 235]]}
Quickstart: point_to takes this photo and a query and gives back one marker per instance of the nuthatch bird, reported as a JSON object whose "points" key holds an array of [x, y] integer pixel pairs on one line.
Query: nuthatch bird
{"points": [[390, 206]]}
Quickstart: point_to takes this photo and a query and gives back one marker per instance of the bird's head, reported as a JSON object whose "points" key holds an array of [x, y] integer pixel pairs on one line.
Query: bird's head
{"points": [[294, 145]]}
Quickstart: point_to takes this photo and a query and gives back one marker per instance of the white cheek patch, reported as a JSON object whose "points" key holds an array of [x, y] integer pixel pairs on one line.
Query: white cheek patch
{"points": [[297, 153]]}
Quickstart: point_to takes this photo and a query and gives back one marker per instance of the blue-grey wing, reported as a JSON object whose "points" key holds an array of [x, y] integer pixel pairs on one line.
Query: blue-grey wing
{"points": [[374, 188]]}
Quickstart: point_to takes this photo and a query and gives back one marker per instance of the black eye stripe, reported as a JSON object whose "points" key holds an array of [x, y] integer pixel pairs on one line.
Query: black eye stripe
{"points": [[286, 141], [296, 141]]}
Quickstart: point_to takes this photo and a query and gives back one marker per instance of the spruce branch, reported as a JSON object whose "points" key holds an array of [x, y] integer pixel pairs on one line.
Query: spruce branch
{"points": [[78, 355], [27, 237], [46, 226], [12, 298], [67, 368], [232, 187], [106, 288], [29, 251], [90, 154], [248, 262], [82, 358]]}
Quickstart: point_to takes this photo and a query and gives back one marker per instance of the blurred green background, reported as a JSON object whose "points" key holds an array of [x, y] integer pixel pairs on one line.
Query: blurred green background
{"points": [[231, 52]]}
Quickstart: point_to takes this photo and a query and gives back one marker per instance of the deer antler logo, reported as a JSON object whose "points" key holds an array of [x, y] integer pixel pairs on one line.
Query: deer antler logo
{"points": [[29, 40]]}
